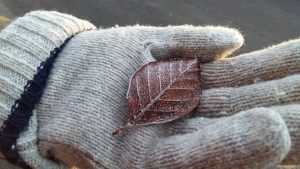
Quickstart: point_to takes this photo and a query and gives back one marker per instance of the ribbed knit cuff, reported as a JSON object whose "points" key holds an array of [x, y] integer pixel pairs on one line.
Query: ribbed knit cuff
{"points": [[24, 45]]}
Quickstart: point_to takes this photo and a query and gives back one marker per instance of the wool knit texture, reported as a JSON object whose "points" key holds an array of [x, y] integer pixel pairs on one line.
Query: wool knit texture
{"points": [[290, 114], [24, 45], [84, 102]]}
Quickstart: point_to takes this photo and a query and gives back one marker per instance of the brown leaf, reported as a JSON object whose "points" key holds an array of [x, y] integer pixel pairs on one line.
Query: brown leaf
{"points": [[163, 91]]}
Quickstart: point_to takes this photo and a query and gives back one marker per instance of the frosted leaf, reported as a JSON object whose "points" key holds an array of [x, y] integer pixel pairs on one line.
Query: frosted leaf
{"points": [[163, 91]]}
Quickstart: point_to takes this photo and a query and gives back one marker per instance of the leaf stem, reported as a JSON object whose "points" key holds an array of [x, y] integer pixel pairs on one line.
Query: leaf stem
{"points": [[119, 130]]}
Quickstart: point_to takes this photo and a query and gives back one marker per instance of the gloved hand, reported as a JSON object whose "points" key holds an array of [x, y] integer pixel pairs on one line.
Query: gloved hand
{"points": [[84, 102]]}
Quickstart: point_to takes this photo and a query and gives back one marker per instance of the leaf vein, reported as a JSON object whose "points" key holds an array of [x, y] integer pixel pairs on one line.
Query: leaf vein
{"points": [[148, 106]]}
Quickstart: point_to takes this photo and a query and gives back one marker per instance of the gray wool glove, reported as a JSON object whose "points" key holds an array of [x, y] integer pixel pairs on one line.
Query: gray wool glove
{"points": [[84, 100]]}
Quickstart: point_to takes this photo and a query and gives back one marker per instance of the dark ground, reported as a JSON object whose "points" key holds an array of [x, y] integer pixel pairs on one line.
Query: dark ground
{"points": [[263, 22]]}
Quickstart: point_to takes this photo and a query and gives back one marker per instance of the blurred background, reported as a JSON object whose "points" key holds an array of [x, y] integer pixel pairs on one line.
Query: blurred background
{"points": [[262, 22]]}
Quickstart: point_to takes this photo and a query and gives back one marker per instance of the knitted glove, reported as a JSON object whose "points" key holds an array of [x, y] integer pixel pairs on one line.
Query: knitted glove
{"points": [[84, 100]]}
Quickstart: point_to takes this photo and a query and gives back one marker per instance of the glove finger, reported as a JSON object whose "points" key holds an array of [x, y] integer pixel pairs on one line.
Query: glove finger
{"points": [[267, 64], [291, 116], [206, 43], [226, 101], [256, 138]]}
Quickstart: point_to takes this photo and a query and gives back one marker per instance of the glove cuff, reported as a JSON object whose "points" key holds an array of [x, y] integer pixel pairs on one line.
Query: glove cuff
{"points": [[25, 45], [27, 42]]}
